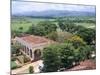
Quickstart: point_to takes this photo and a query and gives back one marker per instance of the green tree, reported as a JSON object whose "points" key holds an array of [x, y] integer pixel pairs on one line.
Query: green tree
{"points": [[88, 35], [51, 59], [81, 50], [66, 25], [61, 23], [53, 36], [42, 28], [15, 49], [77, 41], [58, 56], [67, 55], [36, 30], [82, 53], [86, 51], [16, 33], [21, 28]]}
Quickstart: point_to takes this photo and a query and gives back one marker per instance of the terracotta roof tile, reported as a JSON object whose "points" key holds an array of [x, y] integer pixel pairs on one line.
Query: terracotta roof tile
{"points": [[34, 39]]}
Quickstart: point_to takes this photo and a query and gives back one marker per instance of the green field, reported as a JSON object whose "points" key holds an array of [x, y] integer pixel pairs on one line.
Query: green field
{"points": [[87, 25], [26, 22], [16, 26]]}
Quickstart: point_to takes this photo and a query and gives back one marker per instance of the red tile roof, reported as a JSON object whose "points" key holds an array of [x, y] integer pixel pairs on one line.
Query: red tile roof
{"points": [[34, 39]]}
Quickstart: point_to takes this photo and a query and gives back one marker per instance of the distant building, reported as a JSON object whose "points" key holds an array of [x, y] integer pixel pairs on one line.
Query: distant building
{"points": [[32, 46]]}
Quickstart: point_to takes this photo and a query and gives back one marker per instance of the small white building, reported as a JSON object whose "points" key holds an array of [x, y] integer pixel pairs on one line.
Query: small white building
{"points": [[32, 46]]}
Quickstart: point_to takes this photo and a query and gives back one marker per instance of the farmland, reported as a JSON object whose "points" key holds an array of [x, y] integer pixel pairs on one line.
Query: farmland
{"points": [[26, 22], [87, 25]]}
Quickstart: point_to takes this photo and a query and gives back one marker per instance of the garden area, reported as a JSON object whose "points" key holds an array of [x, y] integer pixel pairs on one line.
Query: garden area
{"points": [[18, 59]]}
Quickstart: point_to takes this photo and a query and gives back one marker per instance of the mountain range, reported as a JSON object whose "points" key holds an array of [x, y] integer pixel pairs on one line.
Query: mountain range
{"points": [[55, 13]]}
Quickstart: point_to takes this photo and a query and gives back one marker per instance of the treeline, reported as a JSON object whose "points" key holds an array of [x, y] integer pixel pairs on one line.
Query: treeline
{"points": [[44, 28], [71, 51], [39, 17], [84, 21], [72, 19], [87, 34], [77, 20], [66, 55]]}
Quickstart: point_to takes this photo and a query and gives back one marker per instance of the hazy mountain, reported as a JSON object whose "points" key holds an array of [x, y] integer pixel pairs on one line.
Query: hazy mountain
{"points": [[56, 13]]}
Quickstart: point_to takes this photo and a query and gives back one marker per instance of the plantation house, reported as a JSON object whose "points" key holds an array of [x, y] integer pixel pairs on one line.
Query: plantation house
{"points": [[32, 46]]}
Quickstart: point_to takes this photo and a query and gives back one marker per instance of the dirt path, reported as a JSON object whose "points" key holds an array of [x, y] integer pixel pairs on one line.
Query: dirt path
{"points": [[84, 65], [25, 67]]}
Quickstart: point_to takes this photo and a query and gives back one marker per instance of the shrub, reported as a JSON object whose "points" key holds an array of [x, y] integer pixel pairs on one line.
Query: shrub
{"points": [[13, 59], [26, 59], [31, 69], [14, 65]]}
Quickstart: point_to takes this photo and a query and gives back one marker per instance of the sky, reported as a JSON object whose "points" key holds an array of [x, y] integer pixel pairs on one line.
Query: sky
{"points": [[21, 7]]}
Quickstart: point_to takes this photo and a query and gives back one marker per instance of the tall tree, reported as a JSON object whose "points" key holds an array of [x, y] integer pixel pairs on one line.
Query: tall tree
{"points": [[77, 41], [67, 55], [88, 35], [42, 28], [51, 59]]}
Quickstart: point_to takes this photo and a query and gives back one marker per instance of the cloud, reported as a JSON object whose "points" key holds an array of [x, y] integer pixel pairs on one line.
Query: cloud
{"points": [[21, 7]]}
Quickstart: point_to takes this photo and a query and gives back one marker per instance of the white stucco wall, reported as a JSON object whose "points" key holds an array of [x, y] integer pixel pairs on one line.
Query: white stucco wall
{"points": [[31, 47]]}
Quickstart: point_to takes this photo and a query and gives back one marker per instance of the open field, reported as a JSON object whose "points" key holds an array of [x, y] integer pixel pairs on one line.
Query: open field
{"points": [[26, 22], [87, 25], [16, 26]]}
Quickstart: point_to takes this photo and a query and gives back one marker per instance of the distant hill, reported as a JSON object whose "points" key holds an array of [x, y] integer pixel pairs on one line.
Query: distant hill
{"points": [[55, 13]]}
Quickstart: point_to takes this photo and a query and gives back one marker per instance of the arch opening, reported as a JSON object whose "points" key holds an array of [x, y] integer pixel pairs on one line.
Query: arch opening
{"points": [[37, 54]]}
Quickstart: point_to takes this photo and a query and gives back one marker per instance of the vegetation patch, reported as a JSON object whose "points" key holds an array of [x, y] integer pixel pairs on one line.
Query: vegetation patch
{"points": [[14, 65]]}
